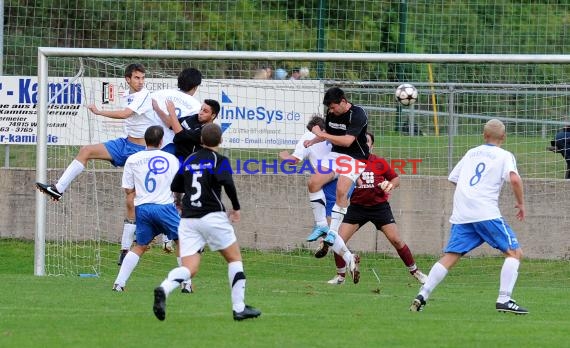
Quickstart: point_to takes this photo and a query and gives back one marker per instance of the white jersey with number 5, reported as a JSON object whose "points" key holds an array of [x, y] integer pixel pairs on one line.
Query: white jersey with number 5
{"points": [[479, 176], [150, 173]]}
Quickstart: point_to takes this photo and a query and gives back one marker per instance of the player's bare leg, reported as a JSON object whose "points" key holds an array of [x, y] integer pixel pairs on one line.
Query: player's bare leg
{"points": [[86, 153], [391, 233]]}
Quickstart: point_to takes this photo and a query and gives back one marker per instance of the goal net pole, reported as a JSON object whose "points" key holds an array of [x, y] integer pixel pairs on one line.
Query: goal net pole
{"points": [[43, 100]]}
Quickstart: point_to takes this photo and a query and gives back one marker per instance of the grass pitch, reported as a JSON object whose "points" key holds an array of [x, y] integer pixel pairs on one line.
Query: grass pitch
{"points": [[299, 308]]}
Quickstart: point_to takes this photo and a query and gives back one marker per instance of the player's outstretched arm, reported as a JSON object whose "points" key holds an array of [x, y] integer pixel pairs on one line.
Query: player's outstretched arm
{"points": [[117, 114], [517, 186], [286, 156]]}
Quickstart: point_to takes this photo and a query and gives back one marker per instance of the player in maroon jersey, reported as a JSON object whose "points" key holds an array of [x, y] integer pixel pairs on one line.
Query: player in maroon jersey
{"points": [[369, 203]]}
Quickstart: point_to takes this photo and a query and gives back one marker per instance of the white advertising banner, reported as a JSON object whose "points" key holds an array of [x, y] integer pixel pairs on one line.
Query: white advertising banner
{"points": [[255, 113]]}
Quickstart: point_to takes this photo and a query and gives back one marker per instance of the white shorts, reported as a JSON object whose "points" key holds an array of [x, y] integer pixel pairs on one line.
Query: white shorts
{"points": [[213, 229], [344, 165]]}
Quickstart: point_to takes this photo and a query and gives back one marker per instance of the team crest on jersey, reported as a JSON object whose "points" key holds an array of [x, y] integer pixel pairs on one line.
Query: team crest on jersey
{"points": [[368, 177]]}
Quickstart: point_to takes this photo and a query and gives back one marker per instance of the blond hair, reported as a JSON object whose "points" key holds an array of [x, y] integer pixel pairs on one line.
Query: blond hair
{"points": [[494, 129]]}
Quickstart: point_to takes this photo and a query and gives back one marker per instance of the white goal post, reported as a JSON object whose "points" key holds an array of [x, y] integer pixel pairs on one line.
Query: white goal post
{"points": [[44, 53]]}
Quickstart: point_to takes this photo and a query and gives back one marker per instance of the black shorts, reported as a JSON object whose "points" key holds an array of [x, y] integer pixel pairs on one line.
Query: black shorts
{"points": [[379, 215]]}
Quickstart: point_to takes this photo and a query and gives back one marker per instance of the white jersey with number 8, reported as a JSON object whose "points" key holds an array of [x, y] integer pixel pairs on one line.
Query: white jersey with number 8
{"points": [[479, 176]]}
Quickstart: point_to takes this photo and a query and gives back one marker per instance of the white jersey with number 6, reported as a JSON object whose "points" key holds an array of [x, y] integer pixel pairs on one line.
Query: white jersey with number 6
{"points": [[150, 173], [479, 176]]}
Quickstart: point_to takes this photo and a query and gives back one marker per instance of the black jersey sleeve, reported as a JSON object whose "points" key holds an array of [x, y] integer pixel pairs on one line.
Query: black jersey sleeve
{"points": [[224, 177], [177, 184], [186, 136]]}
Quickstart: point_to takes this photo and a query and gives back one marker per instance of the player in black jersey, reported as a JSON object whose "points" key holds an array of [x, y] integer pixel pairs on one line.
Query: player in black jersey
{"points": [[187, 129], [205, 221], [187, 137], [345, 128]]}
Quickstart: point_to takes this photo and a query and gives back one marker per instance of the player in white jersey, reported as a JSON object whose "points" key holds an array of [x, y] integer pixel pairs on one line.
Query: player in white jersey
{"points": [[185, 105], [476, 218], [146, 178], [315, 154], [138, 115], [184, 102]]}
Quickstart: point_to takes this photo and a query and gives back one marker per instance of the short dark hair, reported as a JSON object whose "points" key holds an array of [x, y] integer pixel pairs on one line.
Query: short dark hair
{"points": [[153, 135], [214, 105], [134, 67], [371, 137], [316, 120], [189, 78], [333, 95], [211, 135]]}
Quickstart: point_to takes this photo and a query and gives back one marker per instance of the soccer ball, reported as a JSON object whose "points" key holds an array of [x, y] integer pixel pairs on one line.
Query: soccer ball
{"points": [[406, 94]]}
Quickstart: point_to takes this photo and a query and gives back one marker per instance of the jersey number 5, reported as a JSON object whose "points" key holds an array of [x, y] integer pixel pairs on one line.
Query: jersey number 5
{"points": [[195, 184]]}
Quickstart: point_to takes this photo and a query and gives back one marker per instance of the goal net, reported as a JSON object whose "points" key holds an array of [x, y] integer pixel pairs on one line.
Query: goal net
{"points": [[265, 112]]}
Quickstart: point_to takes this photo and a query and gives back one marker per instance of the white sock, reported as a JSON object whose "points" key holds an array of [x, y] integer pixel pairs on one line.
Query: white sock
{"points": [[189, 281], [339, 246], [436, 274], [236, 277], [165, 238], [174, 279], [127, 267], [128, 235], [336, 217], [73, 170], [509, 275], [318, 203]]}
